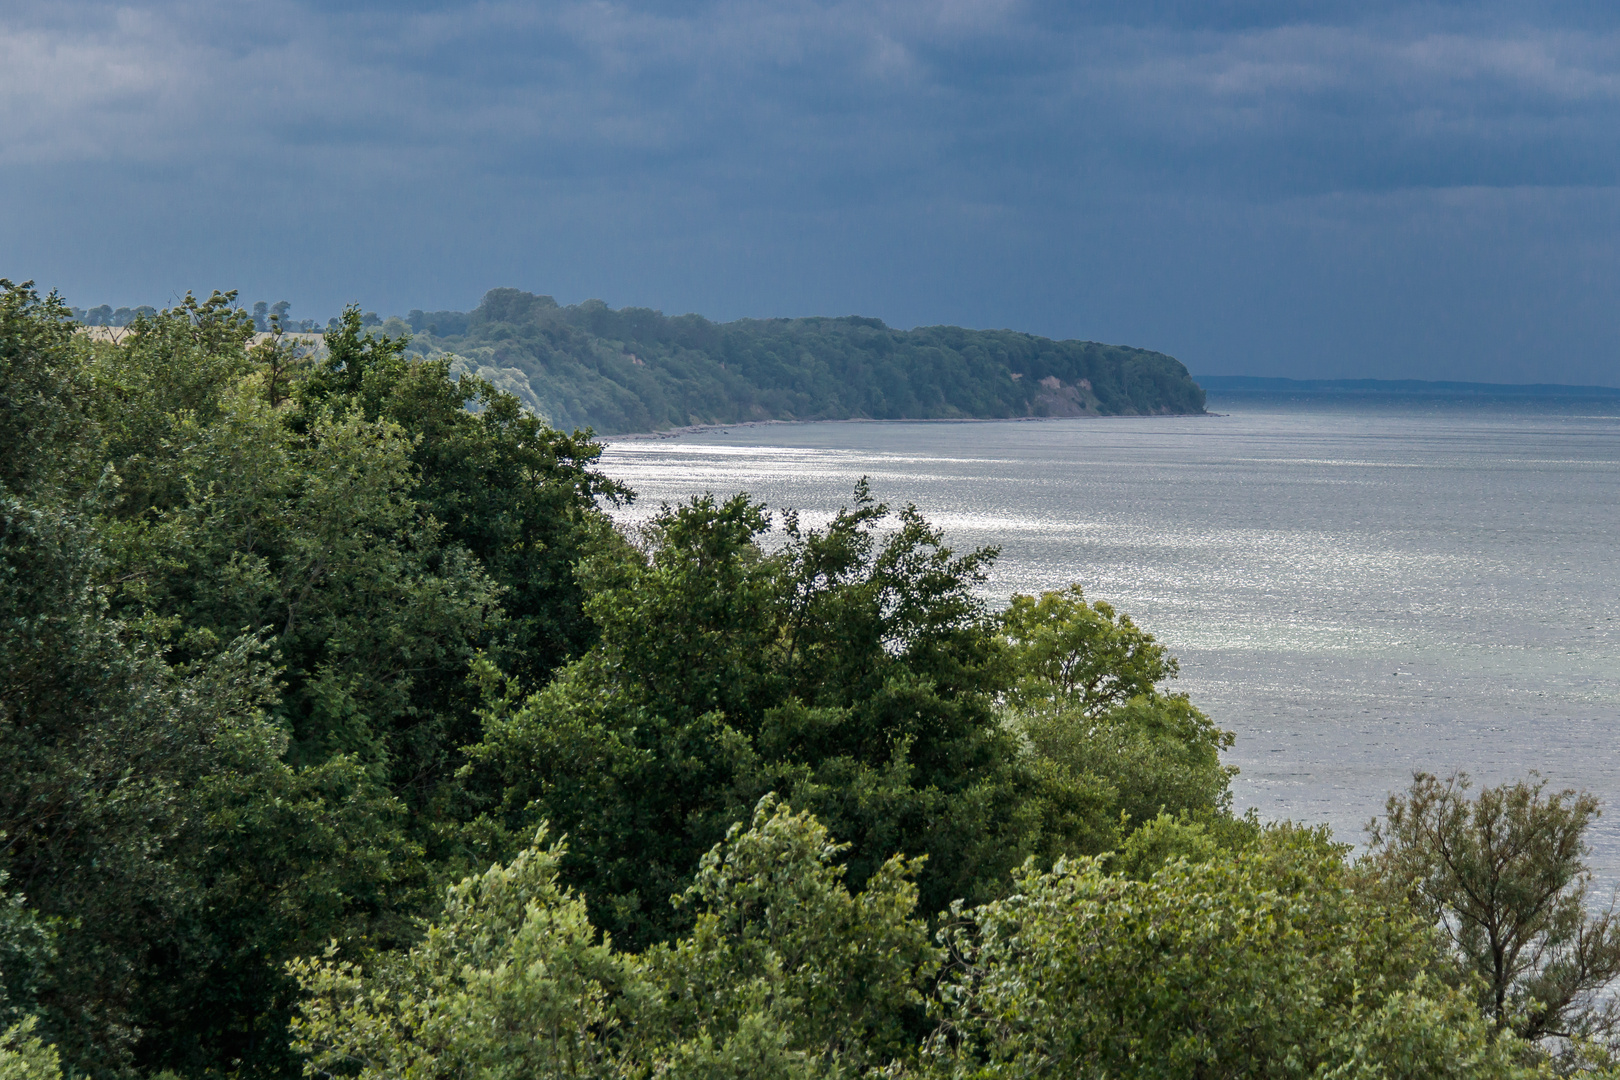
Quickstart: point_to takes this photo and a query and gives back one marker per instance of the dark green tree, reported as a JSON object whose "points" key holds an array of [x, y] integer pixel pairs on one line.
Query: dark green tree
{"points": [[374, 520], [851, 670], [520, 496], [47, 432], [126, 771]]}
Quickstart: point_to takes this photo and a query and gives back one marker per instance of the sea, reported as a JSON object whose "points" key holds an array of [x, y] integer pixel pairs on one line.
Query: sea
{"points": [[1359, 587]]}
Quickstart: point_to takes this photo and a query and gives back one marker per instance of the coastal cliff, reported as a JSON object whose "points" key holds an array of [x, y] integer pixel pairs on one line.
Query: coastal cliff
{"points": [[638, 370]]}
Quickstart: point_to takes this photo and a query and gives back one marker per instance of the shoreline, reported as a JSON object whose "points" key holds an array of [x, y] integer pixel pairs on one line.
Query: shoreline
{"points": [[695, 429]]}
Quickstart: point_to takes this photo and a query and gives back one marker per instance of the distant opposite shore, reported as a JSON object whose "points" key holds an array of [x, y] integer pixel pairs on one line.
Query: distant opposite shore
{"points": [[1228, 385], [636, 370]]}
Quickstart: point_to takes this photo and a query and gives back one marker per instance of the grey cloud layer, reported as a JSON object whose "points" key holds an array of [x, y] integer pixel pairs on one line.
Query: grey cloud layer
{"points": [[581, 88], [1240, 177]]}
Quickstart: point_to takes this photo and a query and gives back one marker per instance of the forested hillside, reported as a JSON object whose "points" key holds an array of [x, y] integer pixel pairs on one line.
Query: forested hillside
{"points": [[343, 734], [634, 369]]}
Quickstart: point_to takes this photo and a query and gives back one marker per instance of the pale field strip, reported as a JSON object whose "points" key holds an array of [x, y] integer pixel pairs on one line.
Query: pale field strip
{"points": [[116, 334]]}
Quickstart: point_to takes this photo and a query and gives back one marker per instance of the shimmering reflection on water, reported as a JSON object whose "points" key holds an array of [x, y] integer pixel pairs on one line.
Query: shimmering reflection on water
{"points": [[1357, 589]]}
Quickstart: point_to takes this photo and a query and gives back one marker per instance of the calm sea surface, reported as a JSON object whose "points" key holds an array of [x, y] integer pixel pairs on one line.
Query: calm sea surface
{"points": [[1358, 589]]}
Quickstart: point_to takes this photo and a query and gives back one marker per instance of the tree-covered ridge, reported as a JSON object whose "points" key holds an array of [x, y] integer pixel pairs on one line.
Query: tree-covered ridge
{"points": [[635, 369]]}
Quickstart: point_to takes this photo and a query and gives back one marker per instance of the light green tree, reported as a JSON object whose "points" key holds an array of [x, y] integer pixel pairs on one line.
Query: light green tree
{"points": [[786, 974], [1255, 963], [1085, 657], [781, 944], [24, 1056], [509, 981], [1109, 747]]}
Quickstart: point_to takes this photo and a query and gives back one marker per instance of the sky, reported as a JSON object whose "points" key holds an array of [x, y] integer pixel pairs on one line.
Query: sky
{"points": [[1314, 189]]}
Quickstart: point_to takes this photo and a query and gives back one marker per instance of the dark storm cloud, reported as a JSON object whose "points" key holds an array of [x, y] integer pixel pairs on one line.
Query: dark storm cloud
{"points": [[1263, 187]]}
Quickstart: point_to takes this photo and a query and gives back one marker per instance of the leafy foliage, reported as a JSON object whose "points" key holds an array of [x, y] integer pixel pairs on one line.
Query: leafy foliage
{"points": [[43, 426], [234, 639], [1085, 657], [1503, 876], [1110, 749], [850, 670], [1257, 963], [25, 1056], [778, 935], [785, 974], [291, 640], [27, 949]]}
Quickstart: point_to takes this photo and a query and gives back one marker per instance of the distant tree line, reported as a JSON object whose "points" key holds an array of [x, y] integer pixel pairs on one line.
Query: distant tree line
{"points": [[105, 315], [265, 316]]}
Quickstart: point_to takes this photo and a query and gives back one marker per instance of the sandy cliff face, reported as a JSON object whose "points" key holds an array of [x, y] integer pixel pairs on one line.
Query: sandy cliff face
{"points": [[1058, 398]]}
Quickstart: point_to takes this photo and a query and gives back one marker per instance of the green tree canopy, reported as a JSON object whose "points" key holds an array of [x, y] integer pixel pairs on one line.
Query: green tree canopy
{"points": [[1503, 875], [1110, 747], [1259, 962], [784, 974], [235, 633], [849, 669]]}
